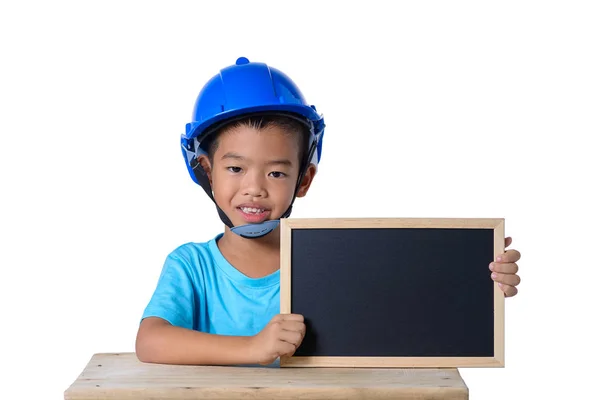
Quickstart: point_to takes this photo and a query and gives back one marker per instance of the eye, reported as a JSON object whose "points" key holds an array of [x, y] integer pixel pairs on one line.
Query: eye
{"points": [[235, 170], [278, 174]]}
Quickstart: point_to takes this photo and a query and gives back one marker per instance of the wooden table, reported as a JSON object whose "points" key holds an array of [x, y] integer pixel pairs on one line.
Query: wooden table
{"points": [[123, 376]]}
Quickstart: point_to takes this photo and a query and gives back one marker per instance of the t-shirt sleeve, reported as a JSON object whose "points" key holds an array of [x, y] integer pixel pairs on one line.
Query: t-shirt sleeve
{"points": [[173, 298]]}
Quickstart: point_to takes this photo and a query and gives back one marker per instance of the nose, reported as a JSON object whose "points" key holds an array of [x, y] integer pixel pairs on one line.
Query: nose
{"points": [[254, 185]]}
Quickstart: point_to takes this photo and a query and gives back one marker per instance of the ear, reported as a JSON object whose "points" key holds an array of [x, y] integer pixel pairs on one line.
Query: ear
{"points": [[307, 180], [205, 164]]}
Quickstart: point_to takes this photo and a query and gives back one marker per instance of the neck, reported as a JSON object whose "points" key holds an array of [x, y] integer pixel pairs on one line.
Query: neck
{"points": [[254, 257]]}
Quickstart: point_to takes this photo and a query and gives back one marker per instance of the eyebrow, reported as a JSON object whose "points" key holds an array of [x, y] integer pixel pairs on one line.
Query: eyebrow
{"points": [[238, 157]]}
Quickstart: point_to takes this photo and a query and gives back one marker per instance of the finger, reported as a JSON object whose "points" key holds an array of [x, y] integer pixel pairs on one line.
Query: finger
{"points": [[295, 326], [509, 256], [509, 291], [277, 318], [291, 337], [507, 241], [293, 317], [286, 350], [504, 268], [506, 279], [287, 317]]}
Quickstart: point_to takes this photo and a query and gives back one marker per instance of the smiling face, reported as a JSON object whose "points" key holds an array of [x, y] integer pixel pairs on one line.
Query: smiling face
{"points": [[253, 171]]}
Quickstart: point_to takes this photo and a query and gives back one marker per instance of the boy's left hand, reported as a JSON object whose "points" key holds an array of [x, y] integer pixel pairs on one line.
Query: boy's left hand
{"points": [[504, 270]]}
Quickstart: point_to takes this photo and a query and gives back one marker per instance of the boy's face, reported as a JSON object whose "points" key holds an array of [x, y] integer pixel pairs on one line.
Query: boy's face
{"points": [[254, 173]]}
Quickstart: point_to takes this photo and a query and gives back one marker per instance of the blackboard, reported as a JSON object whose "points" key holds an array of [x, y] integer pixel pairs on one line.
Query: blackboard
{"points": [[394, 292]]}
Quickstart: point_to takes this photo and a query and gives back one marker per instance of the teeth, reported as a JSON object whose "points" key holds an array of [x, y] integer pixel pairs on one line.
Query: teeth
{"points": [[250, 210]]}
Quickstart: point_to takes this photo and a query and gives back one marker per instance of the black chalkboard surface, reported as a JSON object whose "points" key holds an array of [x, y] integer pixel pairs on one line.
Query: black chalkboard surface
{"points": [[386, 292]]}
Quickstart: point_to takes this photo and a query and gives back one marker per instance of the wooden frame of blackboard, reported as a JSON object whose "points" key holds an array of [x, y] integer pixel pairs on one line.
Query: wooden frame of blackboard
{"points": [[290, 224]]}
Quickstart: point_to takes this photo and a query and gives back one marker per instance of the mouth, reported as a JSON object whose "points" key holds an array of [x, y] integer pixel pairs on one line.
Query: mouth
{"points": [[253, 215]]}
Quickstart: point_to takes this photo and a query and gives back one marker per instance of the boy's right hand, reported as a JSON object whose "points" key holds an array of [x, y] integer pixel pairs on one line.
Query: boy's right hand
{"points": [[281, 337]]}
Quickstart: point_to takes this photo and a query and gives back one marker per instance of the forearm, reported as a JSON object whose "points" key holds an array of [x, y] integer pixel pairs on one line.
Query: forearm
{"points": [[167, 344]]}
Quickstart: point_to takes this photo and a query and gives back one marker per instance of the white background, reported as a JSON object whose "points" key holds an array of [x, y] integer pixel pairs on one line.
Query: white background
{"points": [[433, 109]]}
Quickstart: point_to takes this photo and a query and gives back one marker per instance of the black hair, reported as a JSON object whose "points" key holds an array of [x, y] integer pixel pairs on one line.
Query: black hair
{"points": [[286, 124]]}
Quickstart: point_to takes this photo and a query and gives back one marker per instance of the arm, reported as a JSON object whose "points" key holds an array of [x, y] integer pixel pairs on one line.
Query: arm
{"points": [[160, 342], [169, 334], [166, 335]]}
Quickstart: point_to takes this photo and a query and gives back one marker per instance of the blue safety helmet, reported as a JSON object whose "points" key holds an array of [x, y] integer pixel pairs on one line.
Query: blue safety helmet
{"points": [[239, 91]]}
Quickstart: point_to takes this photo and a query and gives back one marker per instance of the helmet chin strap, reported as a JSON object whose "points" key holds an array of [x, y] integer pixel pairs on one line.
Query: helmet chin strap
{"points": [[253, 231]]}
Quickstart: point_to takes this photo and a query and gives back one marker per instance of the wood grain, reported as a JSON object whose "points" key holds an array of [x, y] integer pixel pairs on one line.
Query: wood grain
{"points": [[123, 376], [311, 223]]}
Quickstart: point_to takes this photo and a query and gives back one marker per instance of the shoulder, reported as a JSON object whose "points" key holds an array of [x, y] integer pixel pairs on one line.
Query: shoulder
{"points": [[190, 250], [196, 255]]}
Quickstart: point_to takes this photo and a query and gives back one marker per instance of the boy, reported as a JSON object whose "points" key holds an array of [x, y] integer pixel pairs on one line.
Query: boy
{"points": [[254, 146]]}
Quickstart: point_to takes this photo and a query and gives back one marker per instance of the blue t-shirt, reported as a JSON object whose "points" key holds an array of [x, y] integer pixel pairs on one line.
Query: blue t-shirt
{"points": [[199, 289]]}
